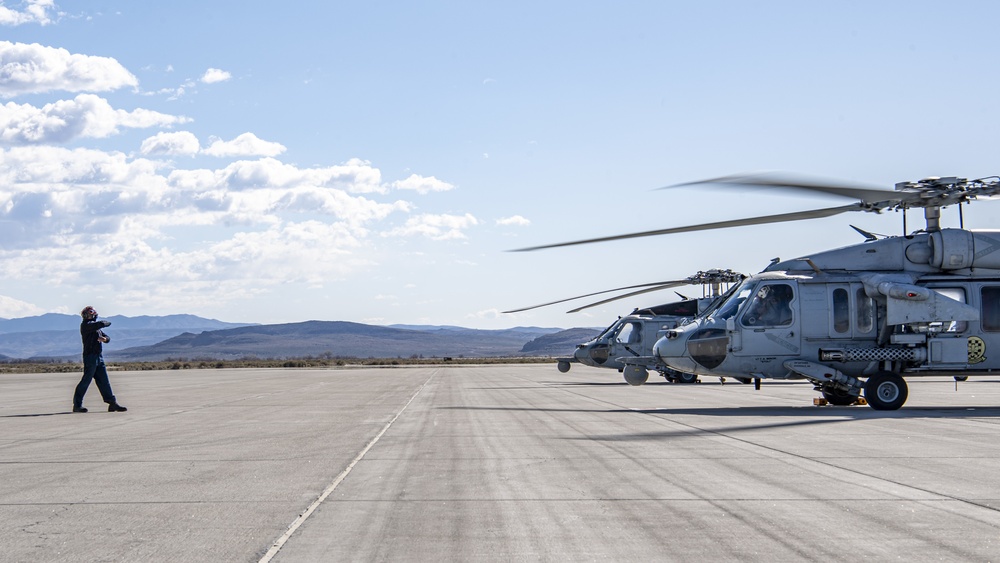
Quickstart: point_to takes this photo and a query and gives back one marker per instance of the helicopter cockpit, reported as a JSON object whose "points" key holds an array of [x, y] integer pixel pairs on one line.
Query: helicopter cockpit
{"points": [[770, 306]]}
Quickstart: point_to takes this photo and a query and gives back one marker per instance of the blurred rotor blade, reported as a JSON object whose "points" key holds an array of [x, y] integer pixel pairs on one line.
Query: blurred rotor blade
{"points": [[623, 296], [661, 284], [793, 216], [862, 193]]}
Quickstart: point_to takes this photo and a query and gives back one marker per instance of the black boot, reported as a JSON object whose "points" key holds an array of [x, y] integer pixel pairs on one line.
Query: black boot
{"points": [[79, 409], [115, 407]]}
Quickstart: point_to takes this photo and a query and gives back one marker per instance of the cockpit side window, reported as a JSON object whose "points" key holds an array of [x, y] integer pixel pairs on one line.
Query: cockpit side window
{"points": [[769, 306], [631, 333]]}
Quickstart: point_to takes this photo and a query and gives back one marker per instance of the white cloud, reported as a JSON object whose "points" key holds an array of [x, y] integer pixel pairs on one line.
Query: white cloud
{"points": [[182, 143], [35, 11], [515, 220], [246, 144], [214, 75], [87, 115], [162, 235], [435, 227], [11, 308], [422, 185], [33, 68]]}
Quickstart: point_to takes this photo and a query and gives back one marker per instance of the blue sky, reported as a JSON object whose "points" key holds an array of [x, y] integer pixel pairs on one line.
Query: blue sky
{"points": [[375, 162]]}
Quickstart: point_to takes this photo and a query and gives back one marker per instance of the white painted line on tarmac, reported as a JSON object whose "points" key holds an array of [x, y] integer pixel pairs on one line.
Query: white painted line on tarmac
{"points": [[343, 475]]}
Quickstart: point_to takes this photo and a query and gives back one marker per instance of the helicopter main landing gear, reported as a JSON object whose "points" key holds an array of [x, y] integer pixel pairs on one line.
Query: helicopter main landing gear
{"points": [[886, 391], [838, 397], [678, 377]]}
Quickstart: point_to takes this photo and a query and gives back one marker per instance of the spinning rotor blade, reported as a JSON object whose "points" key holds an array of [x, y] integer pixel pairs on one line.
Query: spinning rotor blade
{"points": [[793, 216], [660, 284], [640, 292], [862, 193]]}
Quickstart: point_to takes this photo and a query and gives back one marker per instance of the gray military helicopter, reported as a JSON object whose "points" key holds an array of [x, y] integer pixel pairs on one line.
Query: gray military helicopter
{"points": [[627, 344], [858, 318]]}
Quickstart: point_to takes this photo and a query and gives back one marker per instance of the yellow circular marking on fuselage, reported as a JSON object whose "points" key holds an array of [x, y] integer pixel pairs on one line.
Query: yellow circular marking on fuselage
{"points": [[977, 350]]}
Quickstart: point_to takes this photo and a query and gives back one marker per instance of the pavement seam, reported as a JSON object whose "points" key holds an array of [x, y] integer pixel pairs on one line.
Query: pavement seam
{"points": [[277, 545]]}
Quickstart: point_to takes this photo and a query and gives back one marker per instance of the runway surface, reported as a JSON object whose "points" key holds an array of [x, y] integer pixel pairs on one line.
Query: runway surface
{"points": [[491, 463]]}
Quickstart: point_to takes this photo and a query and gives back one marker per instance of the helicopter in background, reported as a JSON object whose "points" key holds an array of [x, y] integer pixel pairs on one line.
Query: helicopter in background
{"points": [[855, 319], [627, 344]]}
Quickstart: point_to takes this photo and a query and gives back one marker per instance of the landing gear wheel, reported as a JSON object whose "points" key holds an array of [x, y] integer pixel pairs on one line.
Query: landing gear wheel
{"points": [[685, 378], [744, 380], [885, 391], [563, 366], [839, 397], [961, 378]]}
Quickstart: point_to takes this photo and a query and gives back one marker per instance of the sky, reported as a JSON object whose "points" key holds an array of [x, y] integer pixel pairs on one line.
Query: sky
{"points": [[377, 162]]}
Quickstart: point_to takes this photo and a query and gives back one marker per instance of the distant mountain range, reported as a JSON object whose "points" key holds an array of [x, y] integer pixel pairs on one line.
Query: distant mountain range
{"points": [[54, 336]]}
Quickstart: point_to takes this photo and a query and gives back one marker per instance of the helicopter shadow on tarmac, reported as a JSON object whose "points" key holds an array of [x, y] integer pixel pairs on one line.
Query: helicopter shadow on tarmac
{"points": [[770, 417]]}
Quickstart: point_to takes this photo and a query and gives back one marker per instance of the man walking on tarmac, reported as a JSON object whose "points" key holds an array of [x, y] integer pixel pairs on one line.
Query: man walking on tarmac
{"points": [[93, 362]]}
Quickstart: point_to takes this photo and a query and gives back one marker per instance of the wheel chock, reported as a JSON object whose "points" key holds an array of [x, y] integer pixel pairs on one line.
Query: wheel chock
{"points": [[861, 401], [820, 402]]}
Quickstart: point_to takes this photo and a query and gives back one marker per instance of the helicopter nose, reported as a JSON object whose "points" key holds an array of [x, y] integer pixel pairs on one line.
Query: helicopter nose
{"points": [[693, 349], [592, 354], [671, 350]]}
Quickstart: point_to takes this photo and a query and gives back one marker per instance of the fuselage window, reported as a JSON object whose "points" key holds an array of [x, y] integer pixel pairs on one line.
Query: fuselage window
{"points": [[991, 308], [841, 311], [866, 311], [770, 306]]}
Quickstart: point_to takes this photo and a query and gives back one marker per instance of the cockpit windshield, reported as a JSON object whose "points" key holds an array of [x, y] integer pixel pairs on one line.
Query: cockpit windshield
{"points": [[729, 307], [610, 330], [713, 306]]}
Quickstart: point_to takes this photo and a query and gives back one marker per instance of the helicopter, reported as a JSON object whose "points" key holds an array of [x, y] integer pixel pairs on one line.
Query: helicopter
{"points": [[627, 344], [855, 321]]}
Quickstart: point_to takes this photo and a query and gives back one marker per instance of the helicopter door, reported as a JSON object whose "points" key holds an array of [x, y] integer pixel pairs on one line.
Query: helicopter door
{"points": [[852, 313], [629, 340], [984, 348], [768, 324]]}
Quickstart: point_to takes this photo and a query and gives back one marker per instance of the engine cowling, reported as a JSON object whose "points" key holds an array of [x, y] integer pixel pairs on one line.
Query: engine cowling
{"points": [[957, 249]]}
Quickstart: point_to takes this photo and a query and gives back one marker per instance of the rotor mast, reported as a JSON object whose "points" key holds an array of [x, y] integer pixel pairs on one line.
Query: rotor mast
{"points": [[932, 216]]}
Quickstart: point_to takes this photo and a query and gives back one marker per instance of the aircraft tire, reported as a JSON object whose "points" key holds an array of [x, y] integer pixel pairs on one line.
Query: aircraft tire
{"points": [[839, 397], [563, 367], [744, 380], [885, 391], [685, 378], [961, 378]]}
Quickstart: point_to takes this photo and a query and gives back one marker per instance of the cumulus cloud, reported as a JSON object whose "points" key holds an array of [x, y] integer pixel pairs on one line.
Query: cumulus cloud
{"points": [[251, 225], [11, 308], [33, 68], [436, 227], [35, 11], [422, 185], [515, 220], [181, 143], [246, 144], [87, 115], [282, 223], [214, 75]]}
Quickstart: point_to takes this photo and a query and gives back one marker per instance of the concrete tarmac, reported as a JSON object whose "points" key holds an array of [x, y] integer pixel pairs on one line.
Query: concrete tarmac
{"points": [[491, 463]]}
